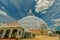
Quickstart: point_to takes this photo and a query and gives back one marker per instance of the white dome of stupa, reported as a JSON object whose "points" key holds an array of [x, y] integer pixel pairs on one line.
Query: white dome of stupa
{"points": [[32, 22]]}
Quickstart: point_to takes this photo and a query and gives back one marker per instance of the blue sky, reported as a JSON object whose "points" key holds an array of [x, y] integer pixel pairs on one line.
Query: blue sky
{"points": [[19, 9]]}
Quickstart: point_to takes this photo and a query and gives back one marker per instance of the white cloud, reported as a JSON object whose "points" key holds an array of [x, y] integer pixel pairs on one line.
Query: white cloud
{"points": [[2, 12], [43, 4], [44, 12], [57, 21], [6, 17], [35, 0]]}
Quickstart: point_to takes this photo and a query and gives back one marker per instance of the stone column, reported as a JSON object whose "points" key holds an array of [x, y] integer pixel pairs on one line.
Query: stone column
{"points": [[21, 33], [18, 36], [10, 33], [4, 32]]}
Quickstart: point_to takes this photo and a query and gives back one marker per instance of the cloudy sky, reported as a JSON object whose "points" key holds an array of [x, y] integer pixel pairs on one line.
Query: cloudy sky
{"points": [[47, 10]]}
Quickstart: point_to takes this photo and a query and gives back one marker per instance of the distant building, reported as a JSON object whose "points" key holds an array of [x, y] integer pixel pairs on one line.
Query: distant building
{"points": [[13, 30]]}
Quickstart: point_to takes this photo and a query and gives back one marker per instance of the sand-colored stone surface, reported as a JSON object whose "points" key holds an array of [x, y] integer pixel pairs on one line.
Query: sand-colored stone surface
{"points": [[43, 38]]}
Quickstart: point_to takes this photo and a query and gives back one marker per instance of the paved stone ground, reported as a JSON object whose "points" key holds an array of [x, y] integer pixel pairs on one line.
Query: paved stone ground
{"points": [[43, 38]]}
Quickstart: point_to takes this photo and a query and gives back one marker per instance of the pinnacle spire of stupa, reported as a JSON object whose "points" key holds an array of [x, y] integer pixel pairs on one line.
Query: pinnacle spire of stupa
{"points": [[30, 13]]}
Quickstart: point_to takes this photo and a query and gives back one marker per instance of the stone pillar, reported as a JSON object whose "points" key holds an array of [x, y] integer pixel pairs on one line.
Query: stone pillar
{"points": [[21, 33], [18, 36], [17, 33], [4, 32], [10, 33]]}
